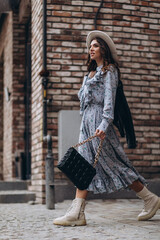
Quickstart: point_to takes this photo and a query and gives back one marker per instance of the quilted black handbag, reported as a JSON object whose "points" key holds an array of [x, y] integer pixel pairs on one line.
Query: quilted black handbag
{"points": [[76, 168]]}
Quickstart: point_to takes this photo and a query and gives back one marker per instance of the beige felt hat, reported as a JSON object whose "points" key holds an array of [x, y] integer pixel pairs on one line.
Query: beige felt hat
{"points": [[93, 34]]}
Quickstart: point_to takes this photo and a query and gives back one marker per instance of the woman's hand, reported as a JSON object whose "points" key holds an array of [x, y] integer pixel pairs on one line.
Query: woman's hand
{"points": [[100, 134]]}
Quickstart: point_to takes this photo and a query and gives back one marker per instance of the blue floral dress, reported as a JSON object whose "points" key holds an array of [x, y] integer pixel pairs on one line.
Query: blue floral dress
{"points": [[97, 100]]}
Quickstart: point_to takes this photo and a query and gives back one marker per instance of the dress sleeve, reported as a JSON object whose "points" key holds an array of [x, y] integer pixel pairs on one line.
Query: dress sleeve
{"points": [[110, 85], [81, 95]]}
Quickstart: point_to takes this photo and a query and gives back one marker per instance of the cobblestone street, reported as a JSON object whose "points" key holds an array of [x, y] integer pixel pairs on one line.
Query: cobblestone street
{"points": [[107, 220]]}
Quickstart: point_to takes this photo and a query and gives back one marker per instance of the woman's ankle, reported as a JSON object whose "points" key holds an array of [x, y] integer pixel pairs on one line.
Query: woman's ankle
{"points": [[81, 193], [136, 186]]}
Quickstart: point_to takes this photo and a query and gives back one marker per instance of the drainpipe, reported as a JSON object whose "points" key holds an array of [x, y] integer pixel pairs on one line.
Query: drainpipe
{"points": [[97, 13], [49, 163]]}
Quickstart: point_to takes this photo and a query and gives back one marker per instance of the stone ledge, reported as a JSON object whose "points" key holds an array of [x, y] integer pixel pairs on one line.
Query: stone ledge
{"points": [[13, 185], [16, 196], [64, 192]]}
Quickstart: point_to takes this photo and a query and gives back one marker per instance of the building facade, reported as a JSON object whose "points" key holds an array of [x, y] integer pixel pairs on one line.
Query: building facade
{"points": [[134, 27]]}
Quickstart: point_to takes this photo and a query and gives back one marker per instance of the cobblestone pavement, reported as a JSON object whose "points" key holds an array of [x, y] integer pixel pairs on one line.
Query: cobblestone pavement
{"points": [[107, 220]]}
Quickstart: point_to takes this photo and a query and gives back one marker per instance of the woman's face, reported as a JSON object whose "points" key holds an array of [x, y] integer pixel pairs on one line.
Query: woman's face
{"points": [[94, 51]]}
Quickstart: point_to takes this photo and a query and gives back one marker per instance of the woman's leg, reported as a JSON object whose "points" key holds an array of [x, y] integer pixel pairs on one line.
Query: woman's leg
{"points": [[81, 193], [151, 201], [137, 186]]}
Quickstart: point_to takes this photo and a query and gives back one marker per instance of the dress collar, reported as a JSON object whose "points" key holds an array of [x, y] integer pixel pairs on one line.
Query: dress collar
{"points": [[99, 68]]}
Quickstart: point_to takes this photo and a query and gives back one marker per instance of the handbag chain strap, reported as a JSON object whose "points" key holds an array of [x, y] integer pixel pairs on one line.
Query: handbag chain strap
{"points": [[98, 150]]}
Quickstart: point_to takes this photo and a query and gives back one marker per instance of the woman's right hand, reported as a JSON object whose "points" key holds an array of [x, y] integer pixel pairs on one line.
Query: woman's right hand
{"points": [[100, 134]]}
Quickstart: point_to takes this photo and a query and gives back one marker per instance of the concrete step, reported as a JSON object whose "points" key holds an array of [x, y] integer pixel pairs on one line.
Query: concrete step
{"points": [[15, 192], [17, 196], [13, 185]]}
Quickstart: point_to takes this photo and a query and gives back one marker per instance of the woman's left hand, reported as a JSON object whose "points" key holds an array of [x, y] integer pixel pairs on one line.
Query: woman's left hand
{"points": [[100, 134]]}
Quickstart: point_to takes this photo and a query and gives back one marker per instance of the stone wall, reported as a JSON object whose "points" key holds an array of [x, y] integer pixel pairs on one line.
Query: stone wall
{"points": [[7, 37], [1, 121]]}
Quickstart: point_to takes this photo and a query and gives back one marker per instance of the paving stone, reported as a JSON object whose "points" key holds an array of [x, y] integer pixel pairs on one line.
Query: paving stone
{"points": [[106, 220]]}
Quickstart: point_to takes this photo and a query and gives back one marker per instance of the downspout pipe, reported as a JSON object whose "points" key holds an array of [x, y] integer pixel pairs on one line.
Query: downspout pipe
{"points": [[44, 73], [97, 13], [49, 163]]}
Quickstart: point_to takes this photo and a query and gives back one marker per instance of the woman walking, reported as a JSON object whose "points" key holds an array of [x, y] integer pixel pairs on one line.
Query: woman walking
{"points": [[97, 102]]}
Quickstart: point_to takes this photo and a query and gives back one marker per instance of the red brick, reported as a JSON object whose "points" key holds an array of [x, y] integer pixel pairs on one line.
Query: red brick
{"points": [[130, 7], [139, 2], [77, 14], [154, 26], [148, 9], [61, 13], [155, 4], [140, 25]]}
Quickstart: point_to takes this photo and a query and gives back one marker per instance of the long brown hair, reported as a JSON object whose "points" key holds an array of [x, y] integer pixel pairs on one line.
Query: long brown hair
{"points": [[107, 58]]}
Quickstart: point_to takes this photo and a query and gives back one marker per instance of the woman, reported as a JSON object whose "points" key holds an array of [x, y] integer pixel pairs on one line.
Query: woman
{"points": [[97, 100]]}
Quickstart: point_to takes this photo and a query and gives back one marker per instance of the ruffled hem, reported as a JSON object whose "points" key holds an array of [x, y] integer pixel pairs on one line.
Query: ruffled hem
{"points": [[99, 186]]}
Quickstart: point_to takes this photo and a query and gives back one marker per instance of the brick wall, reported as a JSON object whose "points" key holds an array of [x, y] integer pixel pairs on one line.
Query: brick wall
{"points": [[136, 33], [66, 59], [13, 58], [38, 178], [134, 27], [1, 121]]}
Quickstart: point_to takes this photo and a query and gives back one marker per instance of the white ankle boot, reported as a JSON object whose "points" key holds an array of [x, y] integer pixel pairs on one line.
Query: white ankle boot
{"points": [[75, 215], [151, 204]]}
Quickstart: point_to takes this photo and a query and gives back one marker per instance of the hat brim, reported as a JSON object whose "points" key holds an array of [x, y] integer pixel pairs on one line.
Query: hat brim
{"points": [[93, 34]]}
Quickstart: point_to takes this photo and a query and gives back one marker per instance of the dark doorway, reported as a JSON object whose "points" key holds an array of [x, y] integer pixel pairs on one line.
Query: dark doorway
{"points": [[26, 158]]}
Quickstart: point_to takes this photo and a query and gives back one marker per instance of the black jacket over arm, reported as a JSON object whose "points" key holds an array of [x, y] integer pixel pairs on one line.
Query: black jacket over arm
{"points": [[122, 117]]}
